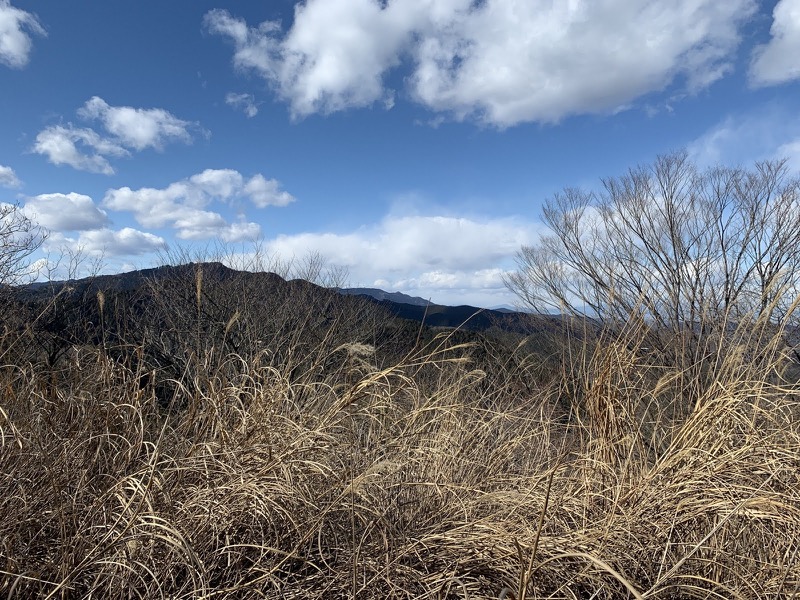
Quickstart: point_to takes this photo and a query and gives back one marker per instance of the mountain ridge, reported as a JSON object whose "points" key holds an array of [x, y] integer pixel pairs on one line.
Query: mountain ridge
{"points": [[379, 294], [401, 305]]}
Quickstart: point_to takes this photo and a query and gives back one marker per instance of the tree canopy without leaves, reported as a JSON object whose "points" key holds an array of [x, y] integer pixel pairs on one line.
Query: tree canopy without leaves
{"points": [[20, 237], [686, 250]]}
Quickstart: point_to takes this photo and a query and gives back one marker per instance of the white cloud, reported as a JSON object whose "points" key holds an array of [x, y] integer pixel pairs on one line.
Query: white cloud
{"points": [[769, 133], [65, 212], [244, 102], [484, 288], [448, 259], [777, 61], [100, 245], [791, 152], [125, 242], [60, 144], [137, 128], [183, 205], [419, 242], [318, 67], [267, 192], [15, 41], [8, 178], [223, 183], [128, 129], [203, 225], [499, 61], [255, 47], [237, 232]]}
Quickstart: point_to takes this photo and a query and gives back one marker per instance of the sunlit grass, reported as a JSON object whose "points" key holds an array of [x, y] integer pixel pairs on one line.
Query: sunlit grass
{"points": [[426, 479]]}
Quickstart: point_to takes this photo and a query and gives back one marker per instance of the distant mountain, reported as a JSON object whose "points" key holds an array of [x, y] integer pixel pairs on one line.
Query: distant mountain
{"points": [[176, 322], [464, 317], [163, 321], [504, 308], [469, 318], [377, 294], [265, 287], [163, 298]]}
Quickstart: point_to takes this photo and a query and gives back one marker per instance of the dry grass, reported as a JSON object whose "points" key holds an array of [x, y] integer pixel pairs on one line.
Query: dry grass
{"points": [[415, 481]]}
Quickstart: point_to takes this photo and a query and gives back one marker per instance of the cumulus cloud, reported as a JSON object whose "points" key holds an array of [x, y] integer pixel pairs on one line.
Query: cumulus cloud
{"points": [[267, 192], [65, 212], [448, 259], [484, 287], [16, 25], [80, 148], [776, 61], [8, 178], [223, 183], [502, 62], [137, 128], [104, 243], [124, 242], [127, 129], [244, 102], [183, 205]]}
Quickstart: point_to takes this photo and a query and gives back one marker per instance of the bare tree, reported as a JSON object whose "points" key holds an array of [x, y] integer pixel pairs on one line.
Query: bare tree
{"points": [[20, 237], [688, 252], [71, 262]]}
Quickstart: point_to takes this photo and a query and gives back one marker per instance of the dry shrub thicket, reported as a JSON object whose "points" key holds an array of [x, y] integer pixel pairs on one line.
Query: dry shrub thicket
{"points": [[427, 478]]}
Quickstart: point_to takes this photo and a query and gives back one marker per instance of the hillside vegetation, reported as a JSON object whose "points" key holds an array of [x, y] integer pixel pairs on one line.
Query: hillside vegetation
{"points": [[196, 432]]}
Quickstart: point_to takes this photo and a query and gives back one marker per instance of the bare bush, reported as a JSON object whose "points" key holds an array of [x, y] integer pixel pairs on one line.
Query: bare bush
{"points": [[20, 237], [690, 253]]}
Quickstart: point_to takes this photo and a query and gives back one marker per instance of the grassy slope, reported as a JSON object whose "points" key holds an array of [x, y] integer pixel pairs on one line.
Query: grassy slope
{"points": [[271, 474]]}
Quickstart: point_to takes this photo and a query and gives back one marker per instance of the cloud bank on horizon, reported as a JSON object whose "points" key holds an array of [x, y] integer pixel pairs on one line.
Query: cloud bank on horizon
{"points": [[366, 73]]}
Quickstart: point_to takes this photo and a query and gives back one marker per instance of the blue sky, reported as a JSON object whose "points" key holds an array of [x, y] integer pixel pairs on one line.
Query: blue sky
{"points": [[410, 141]]}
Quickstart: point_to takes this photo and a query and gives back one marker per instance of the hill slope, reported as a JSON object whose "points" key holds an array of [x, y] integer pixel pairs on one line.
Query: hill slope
{"points": [[176, 321]]}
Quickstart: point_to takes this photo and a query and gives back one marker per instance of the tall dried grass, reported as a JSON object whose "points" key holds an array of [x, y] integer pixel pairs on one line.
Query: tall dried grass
{"points": [[413, 481]]}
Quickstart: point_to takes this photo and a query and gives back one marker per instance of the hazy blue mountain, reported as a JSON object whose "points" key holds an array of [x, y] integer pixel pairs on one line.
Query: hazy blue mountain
{"points": [[377, 294], [504, 308]]}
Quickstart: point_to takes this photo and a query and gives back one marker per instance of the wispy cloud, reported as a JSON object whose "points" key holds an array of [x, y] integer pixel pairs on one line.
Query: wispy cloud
{"points": [[244, 102], [770, 133], [8, 178]]}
